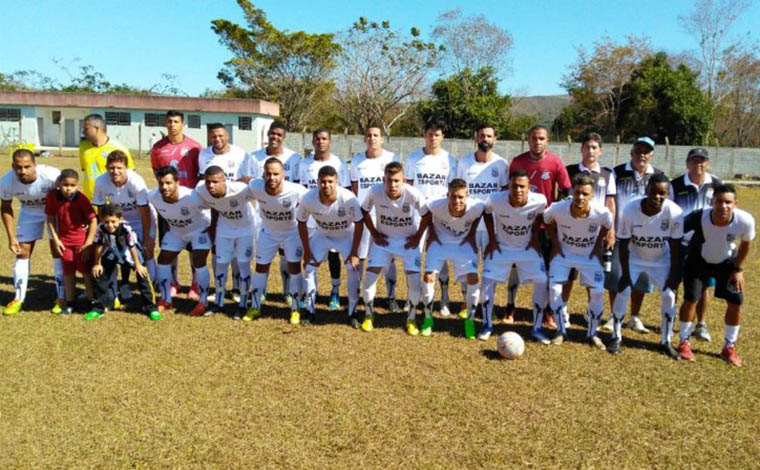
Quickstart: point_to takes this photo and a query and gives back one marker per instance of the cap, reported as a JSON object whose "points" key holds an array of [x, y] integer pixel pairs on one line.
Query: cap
{"points": [[698, 152], [645, 140]]}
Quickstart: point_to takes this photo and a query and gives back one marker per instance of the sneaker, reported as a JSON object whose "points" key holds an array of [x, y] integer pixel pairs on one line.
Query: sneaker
{"points": [[558, 340], [670, 351], [702, 333], [309, 319], [58, 307], [239, 313], [163, 306], [354, 322], [684, 350], [393, 306], [469, 329], [125, 292], [117, 304], [234, 294], [636, 325], [596, 342], [608, 326], [411, 328], [334, 303], [614, 347], [173, 289], [214, 308], [485, 333], [729, 355], [198, 310], [251, 314], [154, 315], [12, 308], [92, 315], [444, 311], [295, 317], [463, 313], [539, 337], [195, 293], [367, 324], [427, 327]]}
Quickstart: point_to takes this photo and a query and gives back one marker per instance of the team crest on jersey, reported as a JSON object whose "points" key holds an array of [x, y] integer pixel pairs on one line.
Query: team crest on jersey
{"points": [[248, 252], [286, 203], [233, 203], [593, 228], [531, 215], [341, 212], [494, 173], [184, 211], [230, 163], [406, 208], [546, 175], [665, 225], [130, 194]]}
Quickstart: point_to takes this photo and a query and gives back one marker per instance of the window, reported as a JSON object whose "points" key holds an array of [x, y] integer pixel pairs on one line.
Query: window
{"points": [[155, 120], [10, 114], [118, 118], [194, 121], [244, 123], [56, 117]]}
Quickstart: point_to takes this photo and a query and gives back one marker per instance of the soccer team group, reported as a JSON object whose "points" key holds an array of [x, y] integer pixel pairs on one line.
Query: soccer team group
{"points": [[532, 221]]}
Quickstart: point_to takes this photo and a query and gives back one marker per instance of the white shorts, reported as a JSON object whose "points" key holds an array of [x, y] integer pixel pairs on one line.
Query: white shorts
{"points": [[321, 245], [137, 228], [381, 256], [590, 269], [30, 227], [530, 266], [464, 260], [175, 242], [268, 244], [655, 275], [365, 244], [229, 248]]}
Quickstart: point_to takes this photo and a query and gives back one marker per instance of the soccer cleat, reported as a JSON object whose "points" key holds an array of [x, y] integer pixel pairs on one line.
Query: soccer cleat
{"points": [[367, 324], [295, 317], [596, 342], [702, 333], [684, 350], [12, 308], [614, 347], [117, 304], [393, 306], [670, 351], [469, 329], [58, 307], [239, 313], [195, 292], [411, 328], [199, 310], [263, 297], [636, 325], [334, 302], [354, 322], [427, 327], [558, 340], [234, 295], [608, 325], [173, 288], [92, 315], [463, 313], [729, 355], [485, 333], [444, 311], [539, 337], [154, 315], [163, 306], [251, 314]]}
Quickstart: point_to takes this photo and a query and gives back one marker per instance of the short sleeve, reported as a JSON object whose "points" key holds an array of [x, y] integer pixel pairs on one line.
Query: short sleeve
{"points": [[611, 186], [549, 215], [409, 170], [142, 193], [131, 237], [452, 169], [420, 204], [504, 179], [353, 173], [5, 190], [488, 205], [369, 201], [353, 204], [50, 204], [302, 212], [295, 170], [98, 195], [479, 207], [676, 225], [86, 206], [563, 178], [345, 179], [98, 240], [749, 231], [607, 219]]}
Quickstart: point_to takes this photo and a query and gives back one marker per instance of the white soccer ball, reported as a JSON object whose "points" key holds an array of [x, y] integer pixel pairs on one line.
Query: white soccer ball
{"points": [[510, 345]]}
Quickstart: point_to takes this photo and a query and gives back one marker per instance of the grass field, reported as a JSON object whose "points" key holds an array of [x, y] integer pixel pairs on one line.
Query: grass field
{"points": [[215, 393]]}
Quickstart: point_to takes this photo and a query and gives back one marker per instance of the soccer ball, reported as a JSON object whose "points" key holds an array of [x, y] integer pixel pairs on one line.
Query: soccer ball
{"points": [[510, 345]]}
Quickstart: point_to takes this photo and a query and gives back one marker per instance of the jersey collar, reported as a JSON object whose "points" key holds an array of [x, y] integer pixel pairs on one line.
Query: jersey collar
{"points": [[688, 182]]}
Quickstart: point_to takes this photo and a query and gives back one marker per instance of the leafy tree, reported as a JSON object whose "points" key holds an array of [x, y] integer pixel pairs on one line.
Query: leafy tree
{"points": [[737, 116], [293, 69]]}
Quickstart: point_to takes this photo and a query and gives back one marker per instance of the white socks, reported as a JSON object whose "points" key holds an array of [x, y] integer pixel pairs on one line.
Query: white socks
{"points": [[164, 273], [390, 279], [595, 308], [413, 282], [310, 278], [21, 277], [259, 286], [556, 303], [472, 297], [731, 334], [296, 287], [244, 282], [368, 292], [487, 289], [203, 278], [428, 290], [668, 312], [353, 284], [540, 298]]}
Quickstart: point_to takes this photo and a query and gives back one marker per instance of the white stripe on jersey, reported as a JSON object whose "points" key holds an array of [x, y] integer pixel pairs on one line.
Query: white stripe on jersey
{"points": [[483, 178], [278, 213], [130, 196], [513, 224], [335, 221], [231, 162], [450, 229], [186, 216], [396, 218], [309, 168], [577, 236], [290, 163], [234, 208], [650, 236], [31, 196], [430, 174], [367, 172]]}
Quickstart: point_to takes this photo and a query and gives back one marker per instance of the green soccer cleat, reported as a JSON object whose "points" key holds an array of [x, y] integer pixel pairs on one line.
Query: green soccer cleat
{"points": [[154, 315], [427, 327], [92, 315], [469, 329], [251, 314]]}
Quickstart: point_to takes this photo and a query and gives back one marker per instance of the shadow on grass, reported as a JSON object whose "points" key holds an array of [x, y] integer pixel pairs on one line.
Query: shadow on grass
{"points": [[40, 292]]}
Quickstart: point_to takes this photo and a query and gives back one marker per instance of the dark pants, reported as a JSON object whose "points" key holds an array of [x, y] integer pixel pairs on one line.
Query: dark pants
{"points": [[104, 297]]}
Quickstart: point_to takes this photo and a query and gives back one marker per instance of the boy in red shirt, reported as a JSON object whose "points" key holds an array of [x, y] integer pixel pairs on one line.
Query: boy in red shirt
{"points": [[72, 224]]}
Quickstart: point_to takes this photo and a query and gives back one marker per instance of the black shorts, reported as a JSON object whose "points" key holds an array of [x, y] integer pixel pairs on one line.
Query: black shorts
{"points": [[697, 277]]}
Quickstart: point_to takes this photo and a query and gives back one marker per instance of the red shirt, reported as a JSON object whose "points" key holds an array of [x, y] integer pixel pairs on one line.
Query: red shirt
{"points": [[72, 216], [543, 173], [182, 156]]}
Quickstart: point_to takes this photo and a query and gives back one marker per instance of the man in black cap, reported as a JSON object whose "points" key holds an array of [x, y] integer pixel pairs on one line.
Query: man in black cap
{"points": [[693, 191]]}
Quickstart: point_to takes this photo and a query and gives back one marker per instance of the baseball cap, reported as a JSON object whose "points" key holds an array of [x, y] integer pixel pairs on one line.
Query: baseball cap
{"points": [[698, 152], [645, 140]]}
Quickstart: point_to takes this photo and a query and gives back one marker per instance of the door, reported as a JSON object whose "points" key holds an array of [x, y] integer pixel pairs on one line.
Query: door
{"points": [[40, 132], [70, 132]]}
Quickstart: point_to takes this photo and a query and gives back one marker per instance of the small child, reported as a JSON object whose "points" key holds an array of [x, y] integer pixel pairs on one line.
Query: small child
{"points": [[116, 244], [72, 223]]}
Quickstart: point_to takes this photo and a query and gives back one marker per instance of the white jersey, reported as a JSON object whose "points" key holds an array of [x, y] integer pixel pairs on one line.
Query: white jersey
{"points": [[577, 236], [290, 162], [430, 174], [450, 229], [367, 172], [512, 225], [334, 221], [650, 235], [130, 196], [186, 216], [31, 196], [234, 209], [231, 162], [396, 218], [278, 213], [309, 168], [718, 244], [483, 178]]}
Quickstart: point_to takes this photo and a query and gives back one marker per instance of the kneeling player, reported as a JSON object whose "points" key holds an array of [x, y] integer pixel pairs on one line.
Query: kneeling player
{"points": [[649, 234], [513, 219], [338, 217], [188, 220], [577, 229], [451, 237], [713, 252], [395, 203]]}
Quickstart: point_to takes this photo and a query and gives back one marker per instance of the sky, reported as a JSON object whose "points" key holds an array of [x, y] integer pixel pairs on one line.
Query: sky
{"points": [[137, 41]]}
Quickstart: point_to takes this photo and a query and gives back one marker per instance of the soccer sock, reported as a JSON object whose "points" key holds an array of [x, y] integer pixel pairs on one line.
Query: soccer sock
{"points": [[60, 292], [203, 278], [244, 282], [471, 297], [368, 292], [353, 284], [668, 308], [731, 334], [164, 273], [684, 332], [555, 300], [390, 279], [443, 282], [428, 290], [296, 289], [487, 289], [20, 277], [259, 286], [150, 265], [220, 282], [595, 309], [333, 260], [310, 278], [413, 282], [540, 298], [619, 307]]}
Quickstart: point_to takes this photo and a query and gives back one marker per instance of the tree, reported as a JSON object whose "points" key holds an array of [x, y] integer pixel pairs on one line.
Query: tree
{"points": [[737, 116], [293, 69], [381, 73], [472, 42]]}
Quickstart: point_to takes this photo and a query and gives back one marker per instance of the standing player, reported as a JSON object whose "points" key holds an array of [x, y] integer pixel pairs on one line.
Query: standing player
{"points": [[93, 151], [452, 226], [338, 217], [233, 228], [366, 171], [718, 249], [693, 191], [188, 220], [277, 201], [650, 232], [308, 176], [430, 170], [513, 221], [398, 206], [577, 229], [30, 184]]}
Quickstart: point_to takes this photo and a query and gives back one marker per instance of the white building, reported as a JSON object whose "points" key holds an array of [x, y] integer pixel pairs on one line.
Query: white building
{"points": [[51, 119]]}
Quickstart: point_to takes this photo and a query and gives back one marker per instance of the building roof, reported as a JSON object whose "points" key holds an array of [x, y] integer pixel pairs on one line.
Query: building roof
{"points": [[94, 100]]}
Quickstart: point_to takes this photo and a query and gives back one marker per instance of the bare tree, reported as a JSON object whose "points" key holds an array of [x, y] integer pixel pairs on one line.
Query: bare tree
{"points": [[738, 82]]}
